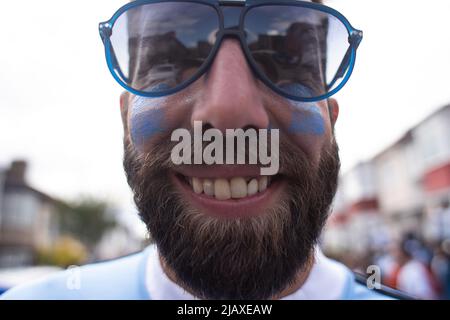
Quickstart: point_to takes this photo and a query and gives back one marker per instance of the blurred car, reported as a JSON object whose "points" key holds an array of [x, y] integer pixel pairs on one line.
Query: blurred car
{"points": [[13, 277]]}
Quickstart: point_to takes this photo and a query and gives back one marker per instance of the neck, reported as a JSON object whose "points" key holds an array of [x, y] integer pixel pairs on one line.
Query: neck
{"points": [[295, 285]]}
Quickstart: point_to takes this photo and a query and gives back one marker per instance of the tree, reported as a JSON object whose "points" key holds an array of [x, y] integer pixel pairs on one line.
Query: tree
{"points": [[87, 220], [65, 252]]}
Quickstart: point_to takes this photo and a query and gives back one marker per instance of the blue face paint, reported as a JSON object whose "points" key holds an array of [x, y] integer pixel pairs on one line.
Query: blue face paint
{"points": [[306, 117], [146, 118]]}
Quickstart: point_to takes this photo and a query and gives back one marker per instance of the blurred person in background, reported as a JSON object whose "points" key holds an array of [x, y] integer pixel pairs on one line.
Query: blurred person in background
{"points": [[440, 265], [443, 220], [387, 263], [411, 274]]}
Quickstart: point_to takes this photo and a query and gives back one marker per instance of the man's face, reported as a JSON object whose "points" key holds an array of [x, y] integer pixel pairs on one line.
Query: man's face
{"points": [[220, 247]]}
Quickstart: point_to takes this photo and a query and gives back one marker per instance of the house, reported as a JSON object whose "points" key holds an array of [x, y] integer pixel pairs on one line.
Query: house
{"points": [[28, 218], [399, 190]]}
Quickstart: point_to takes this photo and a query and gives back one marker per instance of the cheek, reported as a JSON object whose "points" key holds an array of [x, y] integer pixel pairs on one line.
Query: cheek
{"points": [[152, 120], [307, 119], [306, 125], [146, 120]]}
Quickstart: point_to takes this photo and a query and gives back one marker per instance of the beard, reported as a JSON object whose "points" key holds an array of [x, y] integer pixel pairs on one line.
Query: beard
{"points": [[245, 257]]}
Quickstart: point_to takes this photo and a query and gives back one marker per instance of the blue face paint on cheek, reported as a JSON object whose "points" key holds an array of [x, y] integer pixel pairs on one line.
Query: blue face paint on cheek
{"points": [[146, 119], [306, 117]]}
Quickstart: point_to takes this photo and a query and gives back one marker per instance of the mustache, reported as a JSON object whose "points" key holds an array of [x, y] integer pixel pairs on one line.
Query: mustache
{"points": [[291, 157]]}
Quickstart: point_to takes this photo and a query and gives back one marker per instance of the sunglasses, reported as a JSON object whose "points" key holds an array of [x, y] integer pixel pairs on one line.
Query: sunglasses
{"points": [[303, 51]]}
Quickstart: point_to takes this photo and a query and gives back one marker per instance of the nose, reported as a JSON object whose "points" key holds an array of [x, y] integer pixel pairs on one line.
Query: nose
{"points": [[231, 97]]}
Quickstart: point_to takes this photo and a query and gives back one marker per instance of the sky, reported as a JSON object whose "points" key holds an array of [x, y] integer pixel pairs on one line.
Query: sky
{"points": [[59, 105]]}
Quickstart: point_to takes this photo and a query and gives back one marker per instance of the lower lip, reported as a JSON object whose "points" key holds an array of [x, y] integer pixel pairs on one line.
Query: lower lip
{"points": [[232, 208]]}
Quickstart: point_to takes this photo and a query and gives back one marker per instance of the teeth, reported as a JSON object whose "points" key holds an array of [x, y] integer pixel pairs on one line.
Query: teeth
{"points": [[238, 188], [224, 189], [208, 187], [252, 187], [197, 185], [262, 183]]}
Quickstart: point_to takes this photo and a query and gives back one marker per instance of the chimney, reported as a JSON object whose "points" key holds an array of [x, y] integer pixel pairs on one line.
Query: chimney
{"points": [[16, 172]]}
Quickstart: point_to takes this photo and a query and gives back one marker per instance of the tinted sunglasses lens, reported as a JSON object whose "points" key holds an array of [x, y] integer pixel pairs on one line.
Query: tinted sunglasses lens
{"points": [[298, 49], [157, 47]]}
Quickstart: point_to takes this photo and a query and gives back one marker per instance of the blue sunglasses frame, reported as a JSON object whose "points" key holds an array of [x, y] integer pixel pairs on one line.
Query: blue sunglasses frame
{"points": [[345, 69]]}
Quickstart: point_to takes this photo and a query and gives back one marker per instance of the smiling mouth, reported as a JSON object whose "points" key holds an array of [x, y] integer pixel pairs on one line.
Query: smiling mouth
{"points": [[228, 194], [223, 189]]}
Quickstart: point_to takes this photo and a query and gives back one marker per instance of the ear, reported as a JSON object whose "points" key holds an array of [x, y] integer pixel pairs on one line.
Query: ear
{"points": [[124, 101], [333, 109]]}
